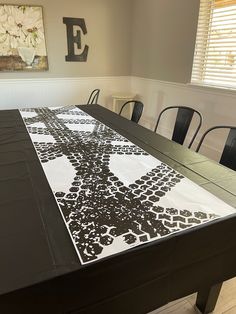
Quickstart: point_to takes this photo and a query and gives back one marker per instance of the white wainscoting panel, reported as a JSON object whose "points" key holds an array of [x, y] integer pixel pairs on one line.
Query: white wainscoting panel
{"points": [[19, 93], [218, 107]]}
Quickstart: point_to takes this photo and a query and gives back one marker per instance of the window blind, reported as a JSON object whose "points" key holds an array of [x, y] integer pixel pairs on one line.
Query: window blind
{"points": [[215, 50]]}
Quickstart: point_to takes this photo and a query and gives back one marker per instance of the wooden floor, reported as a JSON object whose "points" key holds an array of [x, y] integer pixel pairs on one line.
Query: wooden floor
{"points": [[226, 302]]}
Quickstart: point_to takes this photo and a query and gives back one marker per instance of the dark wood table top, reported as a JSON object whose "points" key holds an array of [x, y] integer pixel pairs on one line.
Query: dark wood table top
{"points": [[36, 248]]}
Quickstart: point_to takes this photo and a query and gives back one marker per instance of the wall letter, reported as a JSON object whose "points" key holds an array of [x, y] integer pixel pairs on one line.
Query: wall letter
{"points": [[75, 39]]}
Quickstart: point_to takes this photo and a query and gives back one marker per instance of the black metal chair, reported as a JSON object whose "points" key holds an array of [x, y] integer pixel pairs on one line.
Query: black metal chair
{"points": [[93, 98], [182, 123], [137, 110], [228, 157]]}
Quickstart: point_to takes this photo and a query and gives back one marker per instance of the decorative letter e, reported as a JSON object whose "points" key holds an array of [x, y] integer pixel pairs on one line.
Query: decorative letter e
{"points": [[75, 39]]}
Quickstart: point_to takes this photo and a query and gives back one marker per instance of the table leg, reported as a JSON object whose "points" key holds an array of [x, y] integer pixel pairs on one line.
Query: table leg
{"points": [[207, 298], [114, 105]]}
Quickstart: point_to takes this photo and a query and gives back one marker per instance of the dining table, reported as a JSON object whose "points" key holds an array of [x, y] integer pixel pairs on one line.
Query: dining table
{"points": [[43, 271]]}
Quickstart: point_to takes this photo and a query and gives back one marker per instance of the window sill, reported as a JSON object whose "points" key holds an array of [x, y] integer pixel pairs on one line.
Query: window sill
{"points": [[214, 89]]}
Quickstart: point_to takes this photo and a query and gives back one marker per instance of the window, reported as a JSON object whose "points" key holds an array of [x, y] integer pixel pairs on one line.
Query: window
{"points": [[215, 50]]}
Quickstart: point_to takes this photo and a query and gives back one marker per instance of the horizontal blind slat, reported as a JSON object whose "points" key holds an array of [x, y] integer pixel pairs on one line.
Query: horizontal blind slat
{"points": [[223, 3]]}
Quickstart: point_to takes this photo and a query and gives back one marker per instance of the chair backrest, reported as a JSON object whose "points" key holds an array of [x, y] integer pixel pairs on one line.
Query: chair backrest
{"points": [[182, 123], [93, 98], [137, 110], [228, 157]]}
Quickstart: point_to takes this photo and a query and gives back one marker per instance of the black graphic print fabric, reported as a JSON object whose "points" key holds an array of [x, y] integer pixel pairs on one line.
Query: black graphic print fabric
{"points": [[107, 205]]}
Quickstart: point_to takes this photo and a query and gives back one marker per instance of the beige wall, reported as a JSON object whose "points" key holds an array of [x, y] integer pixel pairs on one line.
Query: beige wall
{"points": [[147, 38], [109, 32], [164, 38]]}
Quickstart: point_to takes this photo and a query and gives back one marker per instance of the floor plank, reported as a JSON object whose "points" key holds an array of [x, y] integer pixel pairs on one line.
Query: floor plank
{"points": [[231, 311], [226, 303], [182, 307]]}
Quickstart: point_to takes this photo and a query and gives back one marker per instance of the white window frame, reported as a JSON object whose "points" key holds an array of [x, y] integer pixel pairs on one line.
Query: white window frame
{"points": [[214, 62]]}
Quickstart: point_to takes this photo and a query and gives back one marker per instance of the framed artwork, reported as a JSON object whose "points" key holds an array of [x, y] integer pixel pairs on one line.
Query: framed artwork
{"points": [[22, 38]]}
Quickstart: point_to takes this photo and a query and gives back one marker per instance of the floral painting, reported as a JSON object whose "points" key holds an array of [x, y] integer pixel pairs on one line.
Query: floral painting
{"points": [[22, 38]]}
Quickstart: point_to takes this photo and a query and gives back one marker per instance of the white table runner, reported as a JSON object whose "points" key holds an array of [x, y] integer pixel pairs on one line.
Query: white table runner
{"points": [[112, 194]]}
